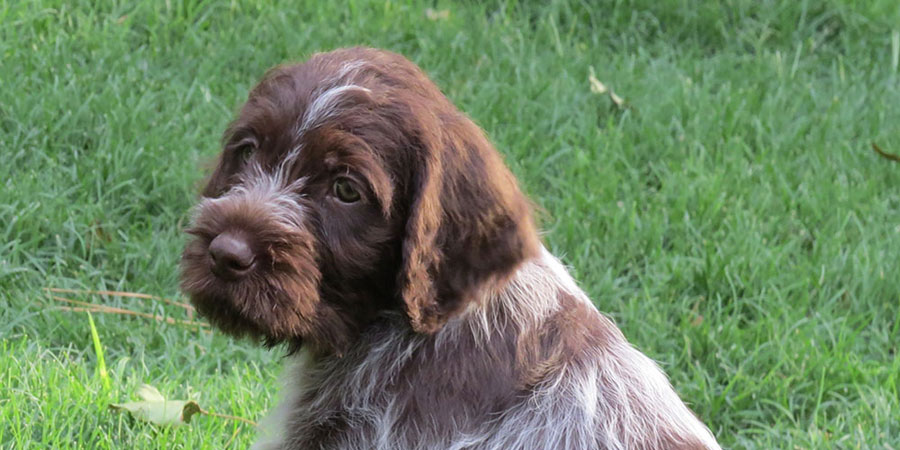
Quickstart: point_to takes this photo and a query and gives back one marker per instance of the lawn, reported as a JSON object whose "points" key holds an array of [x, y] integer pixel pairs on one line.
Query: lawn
{"points": [[730, 214]]}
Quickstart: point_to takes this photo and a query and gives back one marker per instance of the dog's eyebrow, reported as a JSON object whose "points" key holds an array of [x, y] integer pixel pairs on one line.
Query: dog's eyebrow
{"points": [[242, 140], [239, 134], [329, 103], [347, 150]]}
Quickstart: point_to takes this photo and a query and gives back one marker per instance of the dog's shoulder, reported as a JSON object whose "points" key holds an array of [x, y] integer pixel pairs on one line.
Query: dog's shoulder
{"points": [[536, 365]]}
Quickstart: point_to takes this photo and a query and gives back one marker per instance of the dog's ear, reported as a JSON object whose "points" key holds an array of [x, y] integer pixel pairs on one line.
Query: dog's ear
{"points": [[468, 223]]}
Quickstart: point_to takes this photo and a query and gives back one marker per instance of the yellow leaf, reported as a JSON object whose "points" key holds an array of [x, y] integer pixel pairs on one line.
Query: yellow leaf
{"points": [[596, 86], [437, 14], [616, 99]]}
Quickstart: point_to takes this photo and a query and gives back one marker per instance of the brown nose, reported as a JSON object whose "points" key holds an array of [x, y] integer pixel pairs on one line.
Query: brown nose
{"points": [[231, 256]]}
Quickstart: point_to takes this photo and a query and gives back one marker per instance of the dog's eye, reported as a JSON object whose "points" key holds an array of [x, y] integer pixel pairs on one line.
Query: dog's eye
{"points": [[345, 191], [245, 153]]}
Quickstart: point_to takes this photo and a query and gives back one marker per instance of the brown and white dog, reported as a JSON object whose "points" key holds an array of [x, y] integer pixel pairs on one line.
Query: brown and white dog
{"points": [[358, 217]]}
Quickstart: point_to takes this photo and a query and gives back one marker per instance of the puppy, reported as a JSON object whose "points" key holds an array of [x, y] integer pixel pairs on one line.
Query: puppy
{"points": [[358, 217]]}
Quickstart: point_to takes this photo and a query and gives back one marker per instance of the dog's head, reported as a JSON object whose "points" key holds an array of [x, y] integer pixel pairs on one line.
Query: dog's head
{"points": [[349, 185]]}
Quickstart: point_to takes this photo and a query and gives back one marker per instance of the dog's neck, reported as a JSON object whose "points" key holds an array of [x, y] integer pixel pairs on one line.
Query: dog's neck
{"points": [[492, 340], [524, 300], [516, 304]]}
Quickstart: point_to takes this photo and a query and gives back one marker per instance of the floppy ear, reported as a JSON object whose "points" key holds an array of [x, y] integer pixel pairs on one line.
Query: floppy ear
{"points": [[468, 225]]}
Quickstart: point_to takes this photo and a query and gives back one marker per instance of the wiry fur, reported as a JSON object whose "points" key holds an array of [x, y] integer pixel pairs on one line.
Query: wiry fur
{"points": [[425, 314], [569, 408]]}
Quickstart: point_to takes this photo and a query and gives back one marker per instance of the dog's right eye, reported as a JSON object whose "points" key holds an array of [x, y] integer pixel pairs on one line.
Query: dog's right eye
{"points": [[345, 191], [242, 150], [245, 153]]}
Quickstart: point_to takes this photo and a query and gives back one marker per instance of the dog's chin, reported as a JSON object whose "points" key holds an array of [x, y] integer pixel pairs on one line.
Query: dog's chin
{"points": [[269, 320], [257, 307]]}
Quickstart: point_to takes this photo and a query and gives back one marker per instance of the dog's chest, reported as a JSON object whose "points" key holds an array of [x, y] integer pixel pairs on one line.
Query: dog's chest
{"points": [[400, 388]]}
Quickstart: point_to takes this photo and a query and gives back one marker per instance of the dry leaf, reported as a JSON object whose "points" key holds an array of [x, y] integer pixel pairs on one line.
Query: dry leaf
{"points": [[437, 14], [154, 408], [616, 99], [596, 86]]}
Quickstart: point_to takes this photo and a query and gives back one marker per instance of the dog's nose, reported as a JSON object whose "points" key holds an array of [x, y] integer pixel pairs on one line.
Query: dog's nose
{"points": [[231, 256]]}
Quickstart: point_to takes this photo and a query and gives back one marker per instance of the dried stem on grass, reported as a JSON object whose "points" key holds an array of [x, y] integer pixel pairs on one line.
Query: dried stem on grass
{"points": [[94, 307], [884, 154], [188, 308], [230, 417]]}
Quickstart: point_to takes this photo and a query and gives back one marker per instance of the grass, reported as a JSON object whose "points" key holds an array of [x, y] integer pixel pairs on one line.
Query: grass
{"points": [[732, 218]]}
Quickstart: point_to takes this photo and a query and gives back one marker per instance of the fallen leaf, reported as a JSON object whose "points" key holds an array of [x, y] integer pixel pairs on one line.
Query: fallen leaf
{"points": [[437, 14], [596, 86], [154, 408], [616, 99]]}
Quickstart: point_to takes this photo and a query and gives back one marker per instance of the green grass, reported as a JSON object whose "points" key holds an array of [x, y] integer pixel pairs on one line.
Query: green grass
{"points": [[733, 219]]}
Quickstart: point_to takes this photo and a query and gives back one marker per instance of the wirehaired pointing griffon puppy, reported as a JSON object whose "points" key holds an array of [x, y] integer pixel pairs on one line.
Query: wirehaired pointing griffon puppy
{"points": [[358, 217]]}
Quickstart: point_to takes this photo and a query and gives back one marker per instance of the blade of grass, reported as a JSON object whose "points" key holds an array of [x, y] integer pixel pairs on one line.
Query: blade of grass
{"points": [[98, 350], [895, 50]]}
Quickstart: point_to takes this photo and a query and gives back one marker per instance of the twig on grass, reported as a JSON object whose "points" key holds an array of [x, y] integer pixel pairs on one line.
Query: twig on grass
{"points": [[188, 308], [884, 154], [117, 310], [230, 417], [94, 307]]}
